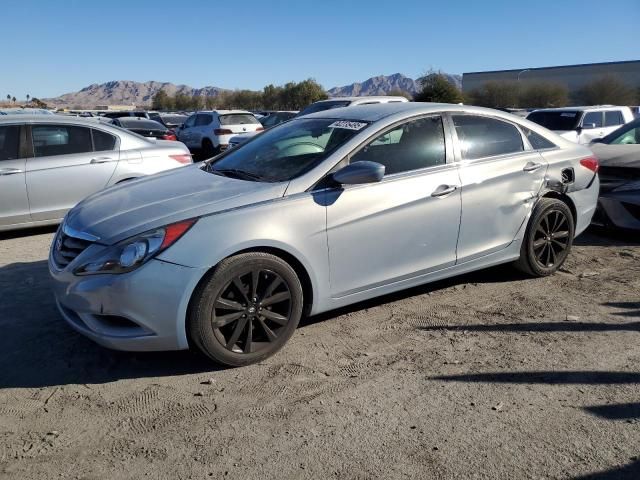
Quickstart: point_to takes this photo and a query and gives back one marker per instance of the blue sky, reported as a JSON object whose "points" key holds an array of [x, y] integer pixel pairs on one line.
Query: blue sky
{"points": [[53, 47]]}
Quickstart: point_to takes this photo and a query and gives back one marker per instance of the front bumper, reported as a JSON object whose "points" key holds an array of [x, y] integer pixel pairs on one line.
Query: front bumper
{"points": [[143, 310], [619, 210]]}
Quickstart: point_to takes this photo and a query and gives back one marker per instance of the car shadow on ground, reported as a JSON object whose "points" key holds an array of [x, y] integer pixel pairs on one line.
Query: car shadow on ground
{"points": [[606, 237], [28, 232]]}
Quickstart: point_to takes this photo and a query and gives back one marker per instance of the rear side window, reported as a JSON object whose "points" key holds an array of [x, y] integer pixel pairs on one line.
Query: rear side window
{"points": [[9, 142], [593, 119], [103, 141], [203, 119], [411, 146], [238, 119], [613, 118], [537, 141], [51, 140], [481, 137]]}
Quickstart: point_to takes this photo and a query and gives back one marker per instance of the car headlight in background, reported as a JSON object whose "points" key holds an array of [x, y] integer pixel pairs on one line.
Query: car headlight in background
{"points": [[135, 251], [628, 187]]}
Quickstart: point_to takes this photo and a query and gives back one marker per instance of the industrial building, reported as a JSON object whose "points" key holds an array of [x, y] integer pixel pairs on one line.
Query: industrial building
{"points": [[572, 76]]}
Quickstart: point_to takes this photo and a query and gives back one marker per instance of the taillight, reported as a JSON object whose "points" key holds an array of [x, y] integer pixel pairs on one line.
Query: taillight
{"points": [[169, 136], [259, 129], [182, 158], [591, 163], [222, 131]]}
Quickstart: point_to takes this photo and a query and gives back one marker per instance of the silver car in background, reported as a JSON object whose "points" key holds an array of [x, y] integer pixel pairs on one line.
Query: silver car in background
{"points": [[48, 163], [317, 213]]}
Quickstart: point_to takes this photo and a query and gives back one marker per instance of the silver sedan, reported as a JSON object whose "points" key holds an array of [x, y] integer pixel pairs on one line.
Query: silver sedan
{"points": [[323, 211], [48, 163]]}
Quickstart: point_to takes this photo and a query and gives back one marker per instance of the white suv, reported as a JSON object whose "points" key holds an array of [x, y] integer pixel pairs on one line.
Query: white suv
{"points": [[210, 131], [582, 124]]}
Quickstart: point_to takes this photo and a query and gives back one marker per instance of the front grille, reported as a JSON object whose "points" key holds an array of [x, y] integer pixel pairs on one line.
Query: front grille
{"points": [[67, 248]]}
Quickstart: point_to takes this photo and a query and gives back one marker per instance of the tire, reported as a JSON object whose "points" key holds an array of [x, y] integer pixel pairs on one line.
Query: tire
{"points": [[232, 326], [208, 150], [548, 239]]}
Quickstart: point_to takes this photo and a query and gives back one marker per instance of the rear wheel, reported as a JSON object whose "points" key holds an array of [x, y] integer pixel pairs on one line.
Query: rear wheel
{"points": [[208, 150], [548, 238], [247, 310]]}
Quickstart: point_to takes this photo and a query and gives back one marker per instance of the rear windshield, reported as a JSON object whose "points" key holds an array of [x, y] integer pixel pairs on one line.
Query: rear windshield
{"points": [[238, 119], [322, 106], [133, 122], [562, 120], [174, 119]]}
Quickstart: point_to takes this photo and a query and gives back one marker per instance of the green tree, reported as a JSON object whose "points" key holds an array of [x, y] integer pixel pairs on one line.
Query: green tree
{"points": [[437, 88], [608, 89], [495, 94], [8, 97], [13, 99], [28, 97], [161, 101], [543, 95]]}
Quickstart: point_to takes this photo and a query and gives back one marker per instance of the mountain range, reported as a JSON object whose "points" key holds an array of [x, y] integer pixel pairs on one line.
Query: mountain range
{"points": [[128, 92]]}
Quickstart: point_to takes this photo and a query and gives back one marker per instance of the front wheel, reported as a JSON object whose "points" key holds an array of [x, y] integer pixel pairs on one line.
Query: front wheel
{"points": [[247, 310], [548, 238]]}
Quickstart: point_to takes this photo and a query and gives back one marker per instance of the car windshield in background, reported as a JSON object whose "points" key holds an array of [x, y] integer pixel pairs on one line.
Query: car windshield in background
{"points": [[133, 122], [174, 119], [559, 121], [238, 119], [627, 135], [322, 106], [286, 151]]}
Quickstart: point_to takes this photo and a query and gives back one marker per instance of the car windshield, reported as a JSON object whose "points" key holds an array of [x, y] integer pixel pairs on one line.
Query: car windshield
{"points": [[322, 106], [626, 135], [559, 120], [238, 119], [286, 151]]}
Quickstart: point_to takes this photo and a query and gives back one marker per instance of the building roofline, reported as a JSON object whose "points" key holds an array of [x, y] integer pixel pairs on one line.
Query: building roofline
{"points": [[515, 70]]}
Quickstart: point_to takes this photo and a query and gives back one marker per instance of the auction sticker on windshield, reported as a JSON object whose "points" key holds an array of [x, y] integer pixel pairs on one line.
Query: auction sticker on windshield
{"points": [[348, 125]]}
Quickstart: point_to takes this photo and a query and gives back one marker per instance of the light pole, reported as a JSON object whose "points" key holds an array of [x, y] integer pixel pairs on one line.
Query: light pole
{"points": [[521, 72]]}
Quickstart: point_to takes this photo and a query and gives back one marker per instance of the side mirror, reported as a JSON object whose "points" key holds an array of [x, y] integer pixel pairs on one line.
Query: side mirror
{"points": [[359, 172], [588, 126]]}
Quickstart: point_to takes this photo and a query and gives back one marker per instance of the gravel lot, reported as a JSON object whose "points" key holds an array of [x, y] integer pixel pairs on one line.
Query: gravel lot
{"points": [[490, 375]]}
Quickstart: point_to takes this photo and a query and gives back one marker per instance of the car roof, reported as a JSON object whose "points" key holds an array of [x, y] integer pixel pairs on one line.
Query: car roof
{"points": [[377, 111], [579, 108], [30, 118], [371, 98], [222, 112]]}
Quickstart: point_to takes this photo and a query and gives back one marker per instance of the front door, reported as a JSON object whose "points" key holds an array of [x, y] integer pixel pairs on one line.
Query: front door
{"points": [[500, 180], [14, 203], [404, 226]]}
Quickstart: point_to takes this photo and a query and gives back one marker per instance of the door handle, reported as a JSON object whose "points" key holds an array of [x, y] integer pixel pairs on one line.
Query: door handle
{"points": [[10, 171], [444, 190], [531, 166], [100, 160]]}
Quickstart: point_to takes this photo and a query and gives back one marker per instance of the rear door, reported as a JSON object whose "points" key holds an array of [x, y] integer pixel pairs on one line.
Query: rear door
{"points": [[66, 167], [14, 203], [501, 176]]}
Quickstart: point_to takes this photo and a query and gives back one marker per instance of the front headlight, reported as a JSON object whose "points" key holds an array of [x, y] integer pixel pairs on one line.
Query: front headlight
{"points": [[628, 187], [135, 251]]}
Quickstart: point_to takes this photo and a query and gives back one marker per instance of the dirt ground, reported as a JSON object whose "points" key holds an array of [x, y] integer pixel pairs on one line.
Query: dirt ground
{"points": [[491, 375]]}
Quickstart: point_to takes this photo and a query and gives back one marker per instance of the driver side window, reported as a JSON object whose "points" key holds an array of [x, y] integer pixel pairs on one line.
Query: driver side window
{"points": [[411, 146]]}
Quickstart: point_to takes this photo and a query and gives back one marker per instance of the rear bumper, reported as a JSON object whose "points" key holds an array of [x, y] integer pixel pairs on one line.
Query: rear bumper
{"points": [[144, 310], [585, 201]]}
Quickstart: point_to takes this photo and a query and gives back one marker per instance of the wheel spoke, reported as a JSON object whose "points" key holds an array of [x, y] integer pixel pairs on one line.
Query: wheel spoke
{"points": [[223, 320], [272, 286], [228, 304], [548, 257], [560, 244], [539, 243], [277, 298], [539, 229], [249, 341], [255, 275], [561, 234], [238, 283], [562, 221], [276, 317], [236, 333], [553, 254], [542, 252], [546, 223], [556, 220], [270, 335]]}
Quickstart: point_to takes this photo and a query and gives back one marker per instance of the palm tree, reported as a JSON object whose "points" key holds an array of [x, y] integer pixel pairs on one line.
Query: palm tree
{"points": [[13, 99], [28, 97], [8, 97]]}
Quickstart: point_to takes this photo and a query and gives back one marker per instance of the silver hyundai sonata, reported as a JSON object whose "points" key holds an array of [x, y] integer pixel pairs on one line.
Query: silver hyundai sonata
{"points": [[320, 212]]}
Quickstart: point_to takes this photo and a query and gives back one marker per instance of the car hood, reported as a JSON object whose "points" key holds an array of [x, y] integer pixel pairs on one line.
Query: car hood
{"points": [[627, 156], [157, 200]]}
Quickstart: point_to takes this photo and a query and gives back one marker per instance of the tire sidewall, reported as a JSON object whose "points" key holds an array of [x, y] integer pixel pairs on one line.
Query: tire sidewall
{"points": [[545, 206], [201, 327]]}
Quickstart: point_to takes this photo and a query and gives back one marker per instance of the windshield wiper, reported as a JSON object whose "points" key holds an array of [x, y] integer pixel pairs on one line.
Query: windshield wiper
{"points": [[237, 173]]}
